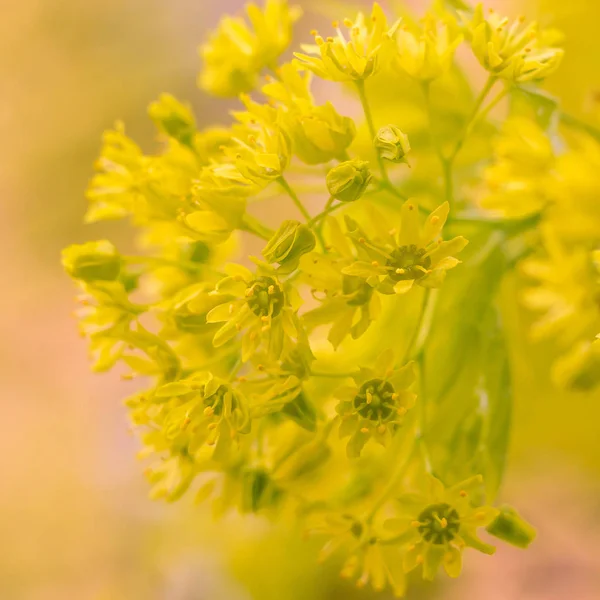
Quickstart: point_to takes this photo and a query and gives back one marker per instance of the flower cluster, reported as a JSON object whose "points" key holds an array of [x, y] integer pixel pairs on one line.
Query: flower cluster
{"points": [[331, 372]]}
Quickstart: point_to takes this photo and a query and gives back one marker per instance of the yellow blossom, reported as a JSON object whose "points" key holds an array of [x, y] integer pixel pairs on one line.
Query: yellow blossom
{"points": [[360, 53]]}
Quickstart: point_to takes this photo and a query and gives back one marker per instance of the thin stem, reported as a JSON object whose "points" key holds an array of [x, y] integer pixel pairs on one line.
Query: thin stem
{"points": [[422, 326], [254, 226], [451, 158], [327, 211], [422, 418], [321, 222], [392, 483], [478, 103], [290, 192], [360, 86]]}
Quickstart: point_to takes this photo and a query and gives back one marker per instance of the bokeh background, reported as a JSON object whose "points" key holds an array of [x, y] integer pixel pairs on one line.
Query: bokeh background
{"points": [[75, 522]]}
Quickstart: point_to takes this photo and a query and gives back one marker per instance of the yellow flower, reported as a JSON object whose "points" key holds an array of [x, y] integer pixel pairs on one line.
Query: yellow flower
{"points": [[369, 47], [394, 261], [426, 52], [259, 306], [236, 53], [567, 292], [375, 406], [576, 211], [438, 525], [520, 180], [366, 561], [512, 51]]}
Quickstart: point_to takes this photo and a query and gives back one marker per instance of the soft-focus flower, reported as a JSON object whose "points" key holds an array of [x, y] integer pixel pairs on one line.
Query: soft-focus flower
{"points": [[426, 52], [236, 53], [369, 47], [375, 406], [395, 260], [92, 261], [366, 560], [512, 51], [520, 180], [566, 294], [437, 525]]}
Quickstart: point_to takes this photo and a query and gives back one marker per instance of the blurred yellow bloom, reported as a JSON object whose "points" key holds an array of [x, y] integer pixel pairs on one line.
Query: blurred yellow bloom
{"points": [[566, 295], [512, 51], [576, 213], [369, 47], [426, 52], [521, 179], [236, 53]]}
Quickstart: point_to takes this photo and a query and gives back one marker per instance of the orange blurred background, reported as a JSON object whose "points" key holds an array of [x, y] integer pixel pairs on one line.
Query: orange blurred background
{"points": [[75, 522]]}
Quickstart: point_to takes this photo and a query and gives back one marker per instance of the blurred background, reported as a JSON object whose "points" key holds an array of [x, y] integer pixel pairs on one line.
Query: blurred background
{"points": [[75, 521]]}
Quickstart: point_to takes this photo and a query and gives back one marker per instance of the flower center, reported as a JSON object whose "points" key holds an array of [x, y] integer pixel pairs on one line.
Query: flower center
{"points": [[408, 262], [360, 291], [216, 400], [374, 400], [265, 297], [439, 523]]}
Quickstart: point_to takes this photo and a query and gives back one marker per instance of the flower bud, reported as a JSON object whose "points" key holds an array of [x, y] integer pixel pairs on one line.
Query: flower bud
{"points": [[348, 180], [289, 243], [174, 119], [392, 144], [92, 261], [512, 528], [320, 134]]}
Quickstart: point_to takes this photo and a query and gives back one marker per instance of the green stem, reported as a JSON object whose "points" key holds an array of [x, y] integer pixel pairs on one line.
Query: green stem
{"points": [[324, 213], [321, 222], [292, 194], [451, 158], [478, 103], [422, 327], [360, 86], [254, 226], [392, 483]]}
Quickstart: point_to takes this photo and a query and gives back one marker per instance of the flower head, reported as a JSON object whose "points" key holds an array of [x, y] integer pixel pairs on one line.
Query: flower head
{"points": [[426, 52], [200, 410], [366, 560], [519, 180], [236, 53], [369, 47], [437, 525], [567, 294], [393, 261], [258, 305], [512, 51], [374, 407]]}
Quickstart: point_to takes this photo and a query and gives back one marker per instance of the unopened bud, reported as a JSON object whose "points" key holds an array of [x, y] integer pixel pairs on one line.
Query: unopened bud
{"points": [[348, 180], [392, 144]]}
